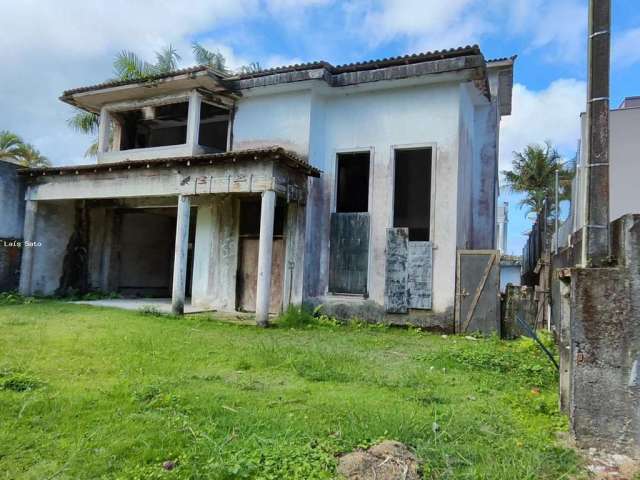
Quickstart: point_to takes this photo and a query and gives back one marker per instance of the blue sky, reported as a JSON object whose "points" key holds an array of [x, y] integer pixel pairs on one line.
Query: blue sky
{"points": [[52, 46]]}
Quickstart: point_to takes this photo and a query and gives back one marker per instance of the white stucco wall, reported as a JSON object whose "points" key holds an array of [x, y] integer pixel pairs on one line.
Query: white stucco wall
{"points": [[379, 121], [275, 119]]}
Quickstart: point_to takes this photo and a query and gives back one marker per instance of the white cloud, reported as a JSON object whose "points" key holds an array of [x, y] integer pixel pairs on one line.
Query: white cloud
{"points": [[49, 47], [429, 24], [626, 48], [550, 114]]}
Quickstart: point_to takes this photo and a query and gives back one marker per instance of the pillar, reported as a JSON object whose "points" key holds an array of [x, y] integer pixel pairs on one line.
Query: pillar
{"points": [[265, 247], [104, 131], [193, 120], [180, 258], [29, 232]]}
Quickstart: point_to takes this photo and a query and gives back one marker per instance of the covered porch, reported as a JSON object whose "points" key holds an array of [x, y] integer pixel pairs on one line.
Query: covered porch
{"points": [[226, 230]]}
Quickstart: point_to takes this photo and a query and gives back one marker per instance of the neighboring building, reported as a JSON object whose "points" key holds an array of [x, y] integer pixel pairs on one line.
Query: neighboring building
{"points": [[624, 168], [502, 224], [12, 191], [510, 271], [350, 186]]}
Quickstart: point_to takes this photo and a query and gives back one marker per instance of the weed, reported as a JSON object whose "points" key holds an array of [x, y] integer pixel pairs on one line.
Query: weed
{"points": [[296, 317], [18, 382]]}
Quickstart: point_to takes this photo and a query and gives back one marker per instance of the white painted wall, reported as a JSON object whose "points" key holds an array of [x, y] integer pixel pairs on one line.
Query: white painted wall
{"points": [[276, 119], [380, 120]]}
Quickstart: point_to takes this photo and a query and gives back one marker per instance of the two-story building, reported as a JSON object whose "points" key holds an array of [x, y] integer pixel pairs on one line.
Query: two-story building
{"points": [[351, 186]]}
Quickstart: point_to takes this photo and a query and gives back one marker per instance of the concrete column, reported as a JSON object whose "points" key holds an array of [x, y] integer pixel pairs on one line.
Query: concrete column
{"points": [[104, 131], [29, 232], [265, 247], [193, 119], [180, 258]]}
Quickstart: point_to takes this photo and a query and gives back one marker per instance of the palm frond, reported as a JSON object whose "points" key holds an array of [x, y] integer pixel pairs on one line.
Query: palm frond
{"points": [[167, 60], [213, 59], [129, 66], [85, 122], [30, 157], [92, 150], [9, 144], [252, 67]]}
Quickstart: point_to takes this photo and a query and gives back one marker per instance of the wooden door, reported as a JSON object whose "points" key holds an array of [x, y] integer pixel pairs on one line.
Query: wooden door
{"points": [[478, 291], [248, 274]]}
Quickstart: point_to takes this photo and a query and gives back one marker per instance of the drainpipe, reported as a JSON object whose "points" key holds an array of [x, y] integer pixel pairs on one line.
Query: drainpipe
{"points": [[595, 234]]}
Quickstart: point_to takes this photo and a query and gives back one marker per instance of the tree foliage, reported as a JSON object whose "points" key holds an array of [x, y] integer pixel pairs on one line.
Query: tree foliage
{"points": [[533, 174], [13, 147]]}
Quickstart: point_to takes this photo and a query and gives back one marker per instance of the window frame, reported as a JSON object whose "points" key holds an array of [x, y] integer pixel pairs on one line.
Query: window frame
{"points": [[392, 185]]}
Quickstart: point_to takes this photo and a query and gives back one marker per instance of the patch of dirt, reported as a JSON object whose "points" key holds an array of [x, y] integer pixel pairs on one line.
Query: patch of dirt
{"points": [[610, 466], [388, 460]]}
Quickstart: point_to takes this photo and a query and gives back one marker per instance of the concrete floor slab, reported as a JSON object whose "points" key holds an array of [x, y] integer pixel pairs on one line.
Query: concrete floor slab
{"points": [[160, 304]]}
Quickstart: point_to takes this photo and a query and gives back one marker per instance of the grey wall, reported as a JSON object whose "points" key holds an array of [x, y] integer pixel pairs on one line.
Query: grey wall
{"points": [[12, 190], [55, 222]]}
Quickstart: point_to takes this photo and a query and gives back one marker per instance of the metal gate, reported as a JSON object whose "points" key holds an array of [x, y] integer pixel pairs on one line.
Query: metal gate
{"points": [[478, 291]]}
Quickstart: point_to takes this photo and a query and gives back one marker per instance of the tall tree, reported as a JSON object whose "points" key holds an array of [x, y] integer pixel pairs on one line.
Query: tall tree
{"points": [[533, 174]]}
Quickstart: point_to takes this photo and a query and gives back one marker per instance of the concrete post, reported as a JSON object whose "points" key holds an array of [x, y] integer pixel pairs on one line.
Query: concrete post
{"points": [[180, 258], [595, 242], [29, 232], [193, 120], [265, 246], [104, 131]]}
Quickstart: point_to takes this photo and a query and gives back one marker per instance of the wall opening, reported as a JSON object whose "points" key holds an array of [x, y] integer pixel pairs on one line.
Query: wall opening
{"points": [[146, 252], [153, 126], [214, 125], [352, 182], [412, 192]]}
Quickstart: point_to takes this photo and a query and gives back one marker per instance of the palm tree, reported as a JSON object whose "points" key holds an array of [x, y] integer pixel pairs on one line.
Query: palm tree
{"points": [[30, 157], [252, 67], [12, 147], [533, 174], [9, 145]]}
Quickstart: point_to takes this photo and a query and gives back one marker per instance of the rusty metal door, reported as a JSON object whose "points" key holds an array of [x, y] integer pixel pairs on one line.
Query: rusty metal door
{"points": [[478, 291]]}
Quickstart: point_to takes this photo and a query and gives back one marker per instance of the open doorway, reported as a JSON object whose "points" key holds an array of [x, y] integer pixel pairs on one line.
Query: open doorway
{"points": [[146, 250]]}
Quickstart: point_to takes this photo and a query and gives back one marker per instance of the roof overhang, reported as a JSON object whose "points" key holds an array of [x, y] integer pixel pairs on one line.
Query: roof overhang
{"points": [[94, 97], [278, 154]]}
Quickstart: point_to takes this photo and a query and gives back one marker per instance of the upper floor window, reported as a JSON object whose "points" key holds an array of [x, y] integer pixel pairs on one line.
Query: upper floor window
{"points": [[153, 126], [214, 125]]}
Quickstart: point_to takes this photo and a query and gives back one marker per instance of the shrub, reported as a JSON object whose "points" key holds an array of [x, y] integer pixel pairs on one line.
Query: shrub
{"points": [[296, 317]]}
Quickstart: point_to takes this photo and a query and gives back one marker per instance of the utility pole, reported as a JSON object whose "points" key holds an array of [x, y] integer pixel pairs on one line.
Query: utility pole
{"points": [[595, 234]]}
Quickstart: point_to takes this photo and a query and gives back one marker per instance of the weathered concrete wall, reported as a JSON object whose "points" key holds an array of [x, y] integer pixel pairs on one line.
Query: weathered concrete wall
{"points": [[215, 261], [12, 191], [55, 222], [605, 346], [386, 120]]}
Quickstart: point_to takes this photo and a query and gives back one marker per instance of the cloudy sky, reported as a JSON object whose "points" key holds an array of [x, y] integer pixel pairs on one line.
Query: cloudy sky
{"points": [[50, 46]]}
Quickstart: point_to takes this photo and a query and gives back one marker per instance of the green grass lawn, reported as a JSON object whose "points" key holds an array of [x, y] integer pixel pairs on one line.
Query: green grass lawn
{"points": [[91, 392]]}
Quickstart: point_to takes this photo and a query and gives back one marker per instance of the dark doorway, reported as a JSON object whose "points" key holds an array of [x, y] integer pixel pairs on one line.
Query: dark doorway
{"points": [[146, 252], [412, 192]]}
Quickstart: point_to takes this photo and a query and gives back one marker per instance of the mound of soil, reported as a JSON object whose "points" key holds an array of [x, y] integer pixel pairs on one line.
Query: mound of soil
{"points": [[388, 460]]}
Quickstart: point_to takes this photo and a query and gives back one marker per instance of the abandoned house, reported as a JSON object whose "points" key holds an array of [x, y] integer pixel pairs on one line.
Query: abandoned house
{"points": [[350, 186]]}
